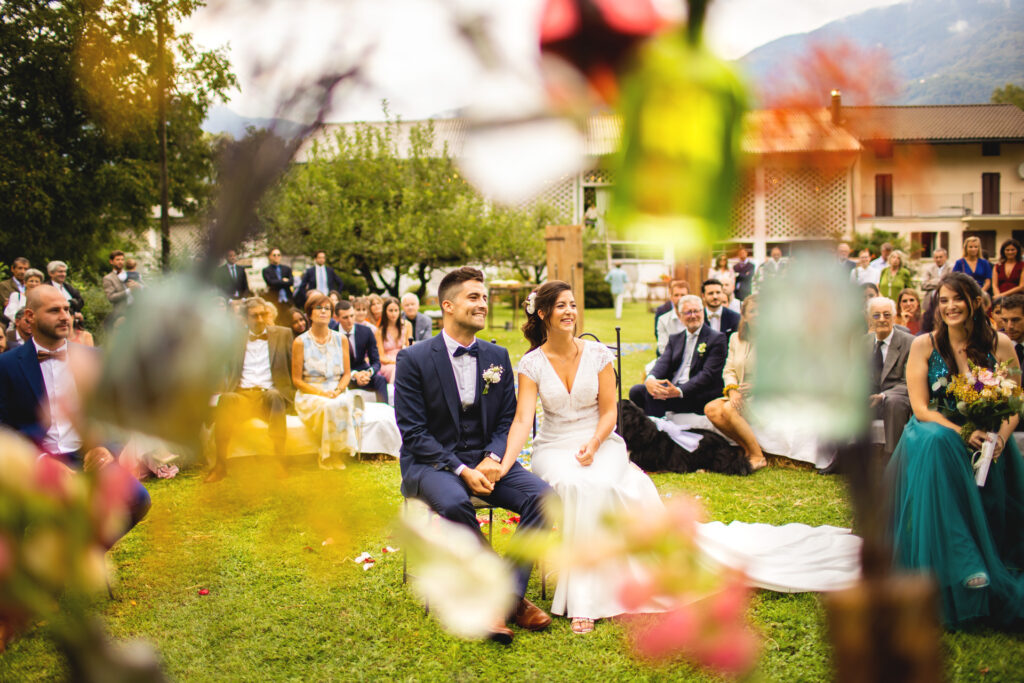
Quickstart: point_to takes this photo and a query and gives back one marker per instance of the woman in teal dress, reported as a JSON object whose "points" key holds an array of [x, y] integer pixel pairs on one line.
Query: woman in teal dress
{"points": [[970, 538]]}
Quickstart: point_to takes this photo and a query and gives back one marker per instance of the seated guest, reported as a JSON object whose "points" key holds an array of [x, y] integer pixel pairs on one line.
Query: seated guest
{"points": [[392, 337], [259, 384], [80, 335], [280, 281], [676, 290], [1012, 315], [668, 324], [58, 272], [22, 332], [889, 348], [909, 305], [727, 413], [297, 322], [33, 278], [689, 373], [716, 315], [422, 326], [870, 292], [321, 368], [365, 359], [772, 268], [376, 310], [318, 277], [361, 305], [37, 385]]}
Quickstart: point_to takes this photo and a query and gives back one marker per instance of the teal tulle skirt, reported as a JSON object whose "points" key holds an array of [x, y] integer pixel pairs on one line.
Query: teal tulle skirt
{"points": [[970, 538]]}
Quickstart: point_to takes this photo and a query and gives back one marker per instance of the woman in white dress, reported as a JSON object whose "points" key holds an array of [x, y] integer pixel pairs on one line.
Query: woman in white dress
{"points": [[576, 450]]}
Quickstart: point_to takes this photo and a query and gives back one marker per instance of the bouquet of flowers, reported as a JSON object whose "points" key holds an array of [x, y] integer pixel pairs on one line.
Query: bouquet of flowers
{"points": [[985, 398]]}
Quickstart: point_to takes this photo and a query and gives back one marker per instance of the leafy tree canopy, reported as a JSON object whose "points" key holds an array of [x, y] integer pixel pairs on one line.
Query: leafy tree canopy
{"points": [[1009, 94], [78, 91]]}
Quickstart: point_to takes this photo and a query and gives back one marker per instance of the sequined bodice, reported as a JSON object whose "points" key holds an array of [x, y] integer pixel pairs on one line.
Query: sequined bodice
{"points": [[937, 369]]}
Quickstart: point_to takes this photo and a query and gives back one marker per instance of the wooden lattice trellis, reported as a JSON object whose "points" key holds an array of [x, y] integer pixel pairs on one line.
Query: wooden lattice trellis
{"points": [[805, 202], [561, 196]]}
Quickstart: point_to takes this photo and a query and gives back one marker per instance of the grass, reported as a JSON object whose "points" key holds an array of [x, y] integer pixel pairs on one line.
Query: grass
{"points": [[286, 601]]}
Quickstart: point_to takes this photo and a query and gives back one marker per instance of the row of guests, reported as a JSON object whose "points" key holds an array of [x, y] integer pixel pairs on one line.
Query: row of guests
{"points": [[708, 371], [14, 290], [311, 373], [744, 277]]}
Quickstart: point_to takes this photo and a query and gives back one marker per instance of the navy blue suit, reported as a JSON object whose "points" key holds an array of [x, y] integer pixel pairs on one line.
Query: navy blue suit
{"points": [[705, 382], [730, 321], [23, 391], [438, 436], [308, 284], [277, 284], [365, 356]]}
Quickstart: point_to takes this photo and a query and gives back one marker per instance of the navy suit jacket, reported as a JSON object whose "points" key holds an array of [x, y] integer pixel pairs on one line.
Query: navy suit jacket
{"points": [[730, 321], [308, 284], [275, 284], [22, 390], [365, 355], [428, 409], [236, 287], [705, 368]]}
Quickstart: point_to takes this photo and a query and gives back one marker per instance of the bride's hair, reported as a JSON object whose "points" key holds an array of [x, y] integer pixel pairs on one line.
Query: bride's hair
{"points": [[981, 338], [543, 299]]}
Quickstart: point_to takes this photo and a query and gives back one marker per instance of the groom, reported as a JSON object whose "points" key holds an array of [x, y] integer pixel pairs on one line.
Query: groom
{"points": [[455, 401]]}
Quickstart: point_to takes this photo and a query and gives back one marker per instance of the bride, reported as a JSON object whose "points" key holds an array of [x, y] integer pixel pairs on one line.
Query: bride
{"points": [[576, 450]]}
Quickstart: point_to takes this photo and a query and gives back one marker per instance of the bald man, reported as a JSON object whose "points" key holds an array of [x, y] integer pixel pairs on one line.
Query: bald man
{"points": [[36, 383]]}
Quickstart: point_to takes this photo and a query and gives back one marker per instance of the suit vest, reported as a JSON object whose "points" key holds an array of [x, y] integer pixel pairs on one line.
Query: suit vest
{"points": [[471, 435]]}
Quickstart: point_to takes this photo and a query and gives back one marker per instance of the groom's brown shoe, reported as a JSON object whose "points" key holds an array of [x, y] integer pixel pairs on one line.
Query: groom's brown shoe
{"points": [[531, 617], [500, 633]]}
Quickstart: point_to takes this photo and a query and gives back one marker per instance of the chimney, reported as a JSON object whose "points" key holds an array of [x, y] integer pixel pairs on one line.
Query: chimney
{"points": [[837, 106]]}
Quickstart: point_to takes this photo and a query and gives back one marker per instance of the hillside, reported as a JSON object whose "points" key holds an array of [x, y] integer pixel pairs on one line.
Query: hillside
{"points": [[942, 51]]}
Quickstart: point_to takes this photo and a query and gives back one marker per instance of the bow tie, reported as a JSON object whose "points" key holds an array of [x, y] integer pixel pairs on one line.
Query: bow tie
{"points": [[254, 337], [472, 350], [56, 355]]}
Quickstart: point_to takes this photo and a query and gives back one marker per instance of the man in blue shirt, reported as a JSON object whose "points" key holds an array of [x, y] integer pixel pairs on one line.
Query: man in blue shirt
{"points": [[618, 279]]}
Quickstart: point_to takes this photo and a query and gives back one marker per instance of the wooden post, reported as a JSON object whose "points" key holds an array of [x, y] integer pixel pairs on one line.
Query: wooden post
{"points": [[565, 261]]}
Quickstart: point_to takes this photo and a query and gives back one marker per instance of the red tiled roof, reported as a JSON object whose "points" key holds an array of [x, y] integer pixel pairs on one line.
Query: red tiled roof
{"points": [[794, 131], [936, 123]]}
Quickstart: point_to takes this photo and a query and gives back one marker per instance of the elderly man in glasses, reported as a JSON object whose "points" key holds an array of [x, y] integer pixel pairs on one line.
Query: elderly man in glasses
{"points": [[889, 347], [689, 373]]}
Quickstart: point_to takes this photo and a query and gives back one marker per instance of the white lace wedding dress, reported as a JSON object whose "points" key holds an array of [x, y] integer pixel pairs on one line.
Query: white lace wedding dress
{"points": [[609, 485], [791, 558]]}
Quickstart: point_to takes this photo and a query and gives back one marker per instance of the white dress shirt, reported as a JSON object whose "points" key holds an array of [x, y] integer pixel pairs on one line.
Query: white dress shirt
{"points": [[465, 371], [683, 374], [863, 276], [62, 399], [668, 324], [713, 319], [256, 366], [60, 288], [321, 278]]}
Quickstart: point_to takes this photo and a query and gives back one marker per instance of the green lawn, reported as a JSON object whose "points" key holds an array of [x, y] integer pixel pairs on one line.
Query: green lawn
{"points": [[285, 605]]}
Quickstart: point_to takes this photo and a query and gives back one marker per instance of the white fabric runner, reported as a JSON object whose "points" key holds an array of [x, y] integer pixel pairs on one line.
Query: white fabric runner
{"points": [[681, 434], [794, 558]]}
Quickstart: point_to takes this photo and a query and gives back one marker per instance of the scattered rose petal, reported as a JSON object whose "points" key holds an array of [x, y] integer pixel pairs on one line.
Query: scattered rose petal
{"points": [[504, 530], [367, 565], [388, 549], [328, 541], [482, 520], [134, 603], [204, 591], [307, 548], [363, 557], [512, 519], [983, 670]]}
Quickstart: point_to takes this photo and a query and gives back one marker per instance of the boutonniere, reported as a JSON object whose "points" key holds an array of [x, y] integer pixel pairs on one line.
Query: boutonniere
{"points": [[701, 348], [492, 375]]}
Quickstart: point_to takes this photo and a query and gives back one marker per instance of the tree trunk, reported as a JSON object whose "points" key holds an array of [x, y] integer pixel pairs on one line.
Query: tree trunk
{"points": [[165, 219], [423, 273]]}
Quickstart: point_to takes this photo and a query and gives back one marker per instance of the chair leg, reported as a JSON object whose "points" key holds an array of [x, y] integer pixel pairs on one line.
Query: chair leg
{"points": [[490, 526], [543, 581]]}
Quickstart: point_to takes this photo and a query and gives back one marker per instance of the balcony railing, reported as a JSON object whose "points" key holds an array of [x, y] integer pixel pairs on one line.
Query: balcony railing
{"points": [[1010, 204], [948, 205]]}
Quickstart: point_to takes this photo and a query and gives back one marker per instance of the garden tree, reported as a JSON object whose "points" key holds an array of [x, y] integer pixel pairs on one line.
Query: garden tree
{"points": [[79, 102], [515, 239], [383, 203], [1009, 94]]}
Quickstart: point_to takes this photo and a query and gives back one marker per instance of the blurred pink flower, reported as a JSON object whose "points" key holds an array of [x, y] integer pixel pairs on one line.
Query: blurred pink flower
{"points": [[51, 478], [672, 633]]}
